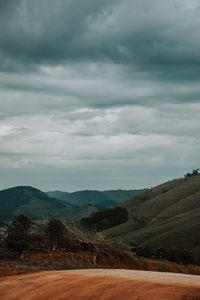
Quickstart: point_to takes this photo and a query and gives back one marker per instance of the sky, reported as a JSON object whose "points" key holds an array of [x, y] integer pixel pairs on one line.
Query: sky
{"points": [[98, 94]]}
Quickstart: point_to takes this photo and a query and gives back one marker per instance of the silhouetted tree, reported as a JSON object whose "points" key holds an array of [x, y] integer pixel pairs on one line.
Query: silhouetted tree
{"points": [[18, 238], [195, 172], [55, 231]]}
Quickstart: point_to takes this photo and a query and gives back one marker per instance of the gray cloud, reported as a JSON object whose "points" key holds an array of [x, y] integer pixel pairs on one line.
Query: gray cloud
{"points": [[155, 36], [101, 92]]}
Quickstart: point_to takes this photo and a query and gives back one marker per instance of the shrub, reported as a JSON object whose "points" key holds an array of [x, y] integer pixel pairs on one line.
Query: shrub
{"points": [[106, 219]]}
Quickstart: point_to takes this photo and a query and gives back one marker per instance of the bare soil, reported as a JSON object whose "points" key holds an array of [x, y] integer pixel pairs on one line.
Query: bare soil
{"points": [[100, 285]]}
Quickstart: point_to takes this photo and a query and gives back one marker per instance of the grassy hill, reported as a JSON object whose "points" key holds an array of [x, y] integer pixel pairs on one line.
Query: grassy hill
{"points": [[122, 195], [165, 216], [32, 202]]}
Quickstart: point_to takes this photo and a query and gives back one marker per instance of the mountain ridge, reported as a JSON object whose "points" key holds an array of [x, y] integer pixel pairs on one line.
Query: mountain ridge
{"points": [[32, 202], [39, 205], [95, 197]]}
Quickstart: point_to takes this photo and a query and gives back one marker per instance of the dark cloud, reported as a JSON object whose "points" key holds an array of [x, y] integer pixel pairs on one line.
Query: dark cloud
{"points": [[47, 31], [157, 37], [91, 87]]}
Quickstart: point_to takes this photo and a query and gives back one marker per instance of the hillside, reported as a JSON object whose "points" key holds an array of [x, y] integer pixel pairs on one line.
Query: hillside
{"points": [[95, 198], [122, 195], [39, 205], [56, 194], [99, 199], [32, 202], [166, 216]]}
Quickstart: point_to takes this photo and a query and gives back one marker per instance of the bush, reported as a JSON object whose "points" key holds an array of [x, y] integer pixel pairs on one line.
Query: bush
{"points": [[6, 254]]}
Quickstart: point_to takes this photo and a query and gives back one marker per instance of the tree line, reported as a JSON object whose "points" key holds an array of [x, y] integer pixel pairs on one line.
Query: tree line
{"points": [[18, 237]]}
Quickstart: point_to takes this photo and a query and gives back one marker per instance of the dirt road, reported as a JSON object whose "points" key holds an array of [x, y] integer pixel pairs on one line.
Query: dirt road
{"points": [[100, 285]]}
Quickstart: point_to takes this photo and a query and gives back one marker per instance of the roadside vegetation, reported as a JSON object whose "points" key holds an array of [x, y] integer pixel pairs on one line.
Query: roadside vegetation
{"points": [[57, 245], [21, 238], [176, 255]]}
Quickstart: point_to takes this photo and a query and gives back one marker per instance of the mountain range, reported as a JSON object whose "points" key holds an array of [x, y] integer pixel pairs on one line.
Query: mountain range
{"points": [[39, 205], [99, 199]]}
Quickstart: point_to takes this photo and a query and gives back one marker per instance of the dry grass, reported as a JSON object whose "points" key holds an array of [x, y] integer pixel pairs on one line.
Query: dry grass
{"points": [[167, 215]]}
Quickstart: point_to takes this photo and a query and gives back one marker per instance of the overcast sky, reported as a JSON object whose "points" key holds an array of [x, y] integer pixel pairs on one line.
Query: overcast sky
{"points": [[98, 94]]}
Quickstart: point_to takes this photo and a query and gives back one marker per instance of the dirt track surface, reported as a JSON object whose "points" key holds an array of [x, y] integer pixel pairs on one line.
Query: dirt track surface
{"points": [[100, 285]]}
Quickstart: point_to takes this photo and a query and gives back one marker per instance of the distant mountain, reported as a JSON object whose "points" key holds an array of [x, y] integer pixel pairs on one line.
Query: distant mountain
{"points": [[167, 215], [94, 198], [56, 194], [32, 202], [39, 205], [100, 199]]}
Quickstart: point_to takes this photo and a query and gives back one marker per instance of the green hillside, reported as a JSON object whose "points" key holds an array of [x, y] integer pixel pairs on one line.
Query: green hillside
{"points": [[165, 216], [32, 202]]}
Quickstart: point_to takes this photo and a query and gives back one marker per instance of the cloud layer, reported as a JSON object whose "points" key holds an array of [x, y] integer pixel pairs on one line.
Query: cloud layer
{"points": [[98, 94]]}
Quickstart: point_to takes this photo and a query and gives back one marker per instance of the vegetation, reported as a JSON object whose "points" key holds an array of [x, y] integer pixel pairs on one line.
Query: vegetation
{"points": [[18, 238], [194, 173], [56, 236], [55, 231], [179, 256], [106, 219], [38, 204], [100, 199], [77, 248], [166, 216]]}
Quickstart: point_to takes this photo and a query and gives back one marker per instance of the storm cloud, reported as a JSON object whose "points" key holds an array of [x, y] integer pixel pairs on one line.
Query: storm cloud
{"points": [[98, 94]]}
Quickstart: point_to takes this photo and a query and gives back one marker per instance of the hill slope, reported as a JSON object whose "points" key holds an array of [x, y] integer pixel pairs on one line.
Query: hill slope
{"points": [[122, 195], [32, 202], [167, 215]]}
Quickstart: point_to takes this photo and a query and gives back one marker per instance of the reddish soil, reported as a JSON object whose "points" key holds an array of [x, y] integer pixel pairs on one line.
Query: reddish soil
{"points": [[100, 285], [59, 260], [84, 259]]}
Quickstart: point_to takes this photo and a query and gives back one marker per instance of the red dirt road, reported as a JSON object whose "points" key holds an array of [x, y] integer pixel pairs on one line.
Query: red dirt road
{"points": [[100, 285]]}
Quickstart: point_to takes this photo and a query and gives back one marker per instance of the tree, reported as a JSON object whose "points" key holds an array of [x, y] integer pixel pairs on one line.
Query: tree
{"points": [[55, 231], [195, 172], [18, 238]]}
